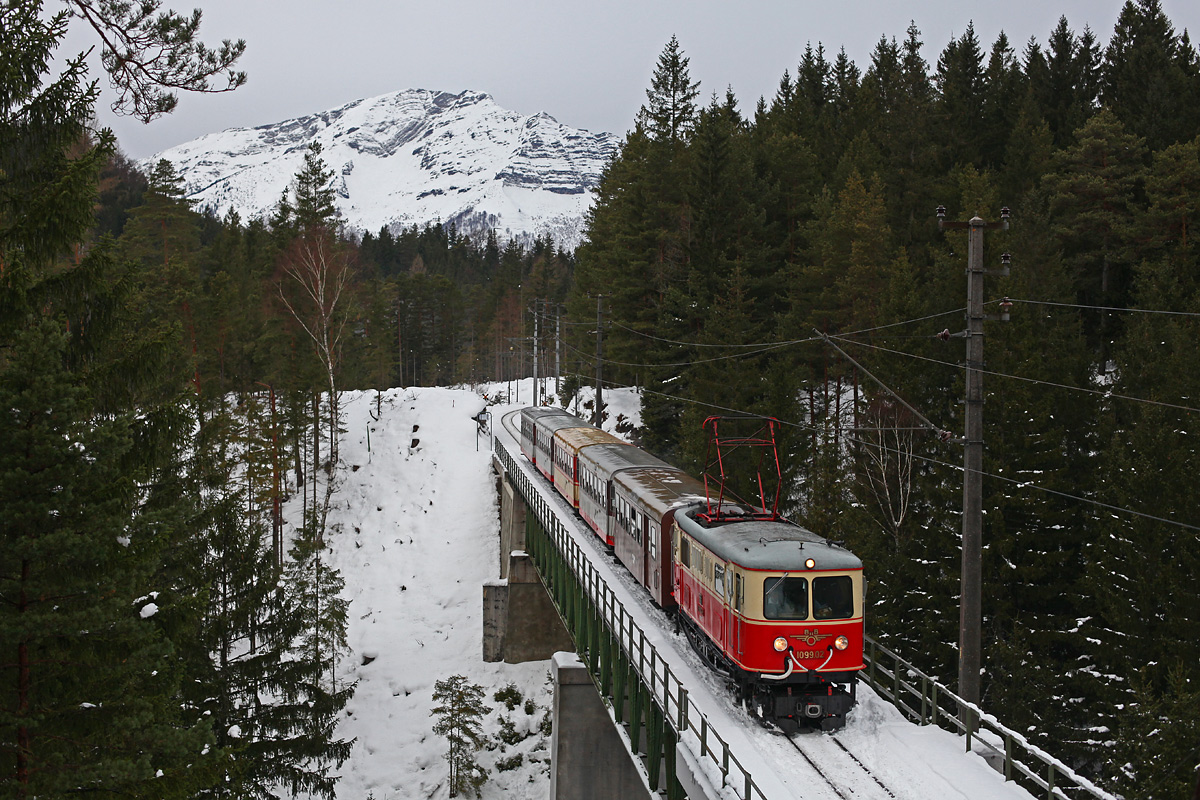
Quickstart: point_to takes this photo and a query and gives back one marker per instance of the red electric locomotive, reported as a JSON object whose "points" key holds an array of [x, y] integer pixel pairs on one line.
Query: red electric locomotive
{"points": [[774, 606]]}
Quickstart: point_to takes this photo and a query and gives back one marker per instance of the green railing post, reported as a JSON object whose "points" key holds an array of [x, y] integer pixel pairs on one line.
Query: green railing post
{"points": [[635, 711], [924, 697], [872, 661], [654, 742], [1049, 782], [1008, 760], [606, 665], [895, 679], [674, 790], [620, 685]]}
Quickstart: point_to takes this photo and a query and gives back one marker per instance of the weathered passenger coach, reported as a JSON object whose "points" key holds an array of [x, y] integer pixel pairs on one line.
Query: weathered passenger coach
{"points": [[569, 443], [646, 501], [538, 426]]}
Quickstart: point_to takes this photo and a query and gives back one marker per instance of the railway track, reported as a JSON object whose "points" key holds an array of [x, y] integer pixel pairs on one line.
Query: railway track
{"points": [[854, 780]]}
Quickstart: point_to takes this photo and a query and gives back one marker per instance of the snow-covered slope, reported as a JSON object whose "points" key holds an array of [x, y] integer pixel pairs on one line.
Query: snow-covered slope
{"points": [[409, 158]]}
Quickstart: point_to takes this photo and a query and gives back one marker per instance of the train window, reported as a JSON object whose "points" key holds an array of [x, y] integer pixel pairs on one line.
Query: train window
{"points": [[739, 591], [653, 544], [719, 578], [833, 598], [685, 553], [785, 598]]}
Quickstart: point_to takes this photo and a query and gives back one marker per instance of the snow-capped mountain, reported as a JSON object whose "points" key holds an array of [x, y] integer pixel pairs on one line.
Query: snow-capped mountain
{"points": [[408, 158]]}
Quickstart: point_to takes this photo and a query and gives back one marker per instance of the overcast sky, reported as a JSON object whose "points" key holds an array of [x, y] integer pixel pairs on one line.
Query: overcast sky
{"points": [[586, 64]]}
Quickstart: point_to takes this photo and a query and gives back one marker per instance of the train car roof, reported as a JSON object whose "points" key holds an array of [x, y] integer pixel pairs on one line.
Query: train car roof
{"points": [[765, 545], [583, 437], [538, 414], [609, 459], [662, 487], [555, 420]]}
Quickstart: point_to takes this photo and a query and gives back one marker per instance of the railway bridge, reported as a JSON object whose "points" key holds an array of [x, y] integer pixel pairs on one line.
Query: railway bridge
{"points": [[636, 713]]}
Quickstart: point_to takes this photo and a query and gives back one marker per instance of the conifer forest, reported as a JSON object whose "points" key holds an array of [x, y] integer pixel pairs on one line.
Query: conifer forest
{"points": [[168, 376]]}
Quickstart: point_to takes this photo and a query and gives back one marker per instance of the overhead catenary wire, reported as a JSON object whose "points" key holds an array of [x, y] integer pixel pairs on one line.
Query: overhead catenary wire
{"points": [[1106, 308], [688, 363], [1098, 392], [956, 467]]}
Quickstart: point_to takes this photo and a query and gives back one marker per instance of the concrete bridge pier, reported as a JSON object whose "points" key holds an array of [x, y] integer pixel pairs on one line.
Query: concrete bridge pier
{"points": [[520, 622], [589, 759]]}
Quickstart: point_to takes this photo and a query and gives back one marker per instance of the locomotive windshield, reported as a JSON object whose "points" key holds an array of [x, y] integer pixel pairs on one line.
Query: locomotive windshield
{"points": [[785, 598], [833, 598]]}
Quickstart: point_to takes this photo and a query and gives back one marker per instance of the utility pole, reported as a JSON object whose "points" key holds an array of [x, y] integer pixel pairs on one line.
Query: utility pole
{"points": [[970, 621], [598, 417], [535, 352], [558, 350]]}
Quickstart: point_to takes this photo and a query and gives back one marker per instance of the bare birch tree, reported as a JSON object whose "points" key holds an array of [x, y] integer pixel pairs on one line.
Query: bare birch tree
{"points": [[886, 455], [319, 271]]}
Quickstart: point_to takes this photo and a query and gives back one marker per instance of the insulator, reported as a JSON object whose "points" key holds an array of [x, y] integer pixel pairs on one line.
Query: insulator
{"points": [[944, 335], [941, 212]]}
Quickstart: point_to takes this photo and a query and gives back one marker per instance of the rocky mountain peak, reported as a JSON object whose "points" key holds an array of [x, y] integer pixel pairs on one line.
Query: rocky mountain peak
{"points": [[412, 157]]}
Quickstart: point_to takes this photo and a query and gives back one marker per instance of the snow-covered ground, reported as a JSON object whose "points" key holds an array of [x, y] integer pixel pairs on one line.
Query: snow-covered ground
{"points": [[418, 538]]}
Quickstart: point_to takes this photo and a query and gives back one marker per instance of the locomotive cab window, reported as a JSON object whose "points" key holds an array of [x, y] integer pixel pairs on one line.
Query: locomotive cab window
{"points": [[833, 598], [785, 598], [685, 553], [719, 579]]}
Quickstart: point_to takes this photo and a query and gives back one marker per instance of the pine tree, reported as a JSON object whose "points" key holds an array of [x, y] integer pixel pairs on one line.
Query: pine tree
{"points": [[670, 111], [95, 702], [312, 192], [1149, 80], [1093, 194], [959, 111], [92, 698], [459, 711]]}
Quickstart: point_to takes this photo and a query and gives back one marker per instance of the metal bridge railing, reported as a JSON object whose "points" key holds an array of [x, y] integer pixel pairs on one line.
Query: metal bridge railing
{"points": [[647, 697], [928, 702]]}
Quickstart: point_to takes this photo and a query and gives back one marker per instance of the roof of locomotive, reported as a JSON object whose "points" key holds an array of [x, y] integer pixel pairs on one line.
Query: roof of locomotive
{"points": [[766, 545], [661, 486], [584, 437]]}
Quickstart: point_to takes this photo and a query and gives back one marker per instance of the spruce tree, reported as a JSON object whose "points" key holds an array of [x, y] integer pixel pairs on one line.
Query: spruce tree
{"points": [[458, 712], [1149, 77], [92, 700]]}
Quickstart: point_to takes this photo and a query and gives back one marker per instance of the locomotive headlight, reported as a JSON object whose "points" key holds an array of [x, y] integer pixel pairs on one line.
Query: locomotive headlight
{"points": [[810, 563], [781, 644], [841, 643]]}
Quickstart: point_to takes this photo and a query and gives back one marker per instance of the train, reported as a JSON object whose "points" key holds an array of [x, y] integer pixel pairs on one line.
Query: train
{"points": [[773, 606]]}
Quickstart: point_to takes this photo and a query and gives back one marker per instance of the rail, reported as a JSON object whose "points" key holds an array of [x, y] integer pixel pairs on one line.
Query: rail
{"points": [[929, 702], [660, 693]]}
